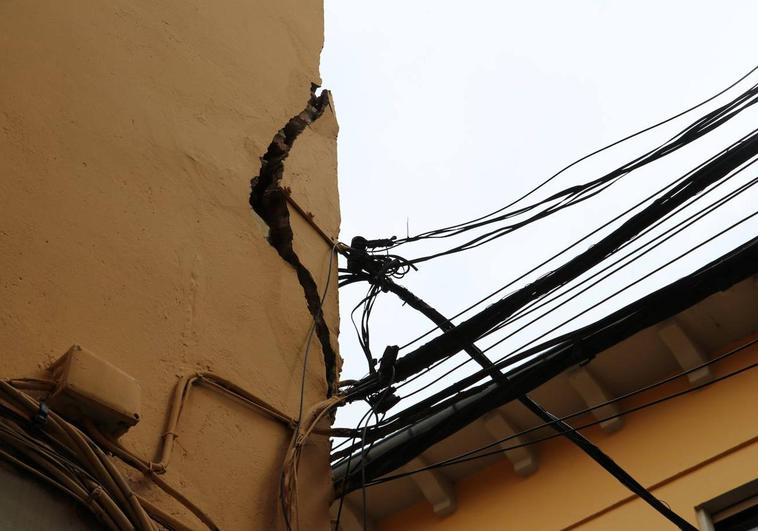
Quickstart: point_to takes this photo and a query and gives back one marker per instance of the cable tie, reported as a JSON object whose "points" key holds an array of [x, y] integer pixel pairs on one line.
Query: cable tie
{"points": [[156, 468], [94, 495], [39, 421]]}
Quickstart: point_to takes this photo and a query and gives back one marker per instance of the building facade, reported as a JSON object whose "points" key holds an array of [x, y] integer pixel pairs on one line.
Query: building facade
{"points": [[129, 135]]}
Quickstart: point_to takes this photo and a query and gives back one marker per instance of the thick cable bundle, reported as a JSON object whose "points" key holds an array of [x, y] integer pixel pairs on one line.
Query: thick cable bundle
{"points": [[51, 449]]}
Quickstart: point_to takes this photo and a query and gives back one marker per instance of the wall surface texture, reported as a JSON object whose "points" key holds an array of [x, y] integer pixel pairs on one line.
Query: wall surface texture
{"points": [[687, 451], [129, 133]]}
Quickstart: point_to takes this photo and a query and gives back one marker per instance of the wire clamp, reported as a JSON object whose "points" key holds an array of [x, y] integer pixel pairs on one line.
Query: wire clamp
{"points": [[39, 421], [384, 401], [156, 468], [94, 495]]}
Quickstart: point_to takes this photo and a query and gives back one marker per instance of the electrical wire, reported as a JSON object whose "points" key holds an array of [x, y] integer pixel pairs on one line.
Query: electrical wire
{"points": [[474, 454], [614, 400], [453, 340], [373, 407], [587, 156], [706, 123], [639, 252], [363, 334], [564, 199], [344, 483], [621, 290], [614, 252], [510, 359], [313, 329], [63, 457], [668, 187], [367, 417], [316, 315], [650, 245], [522, 352], [580, 193], [551, 258], [532, 270]]}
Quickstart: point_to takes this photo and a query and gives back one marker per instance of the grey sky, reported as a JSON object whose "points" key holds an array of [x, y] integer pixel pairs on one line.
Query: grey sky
{"points": [[451, 109]]}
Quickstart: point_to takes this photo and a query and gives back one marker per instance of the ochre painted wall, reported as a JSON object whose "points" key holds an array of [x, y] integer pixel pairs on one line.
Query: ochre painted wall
{"points": [[129, 132], [690, 449]]}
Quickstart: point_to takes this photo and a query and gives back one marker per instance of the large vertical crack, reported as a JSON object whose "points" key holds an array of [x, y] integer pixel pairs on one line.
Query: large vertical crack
{"points": [[269, 200]]}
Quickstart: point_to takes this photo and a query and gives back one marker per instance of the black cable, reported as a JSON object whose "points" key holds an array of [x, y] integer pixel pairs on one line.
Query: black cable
{"points": [[698, 246], [598, 151], [451, 341], [675, 183], [579, 193], [366, 417], [363, 469], [565, 429], [458, 460], [580, 346], [553, 257], [619, 398], [665, 235], [516, 357], [363, 444], [522, 353], [362, 334], [344, 482], [369, 306], [605, 461], [661, 238], [705, 124]]}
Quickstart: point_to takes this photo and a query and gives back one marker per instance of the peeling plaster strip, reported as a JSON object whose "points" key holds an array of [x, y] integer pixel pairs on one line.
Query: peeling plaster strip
{"points": [[310, 219], [269, 200]]}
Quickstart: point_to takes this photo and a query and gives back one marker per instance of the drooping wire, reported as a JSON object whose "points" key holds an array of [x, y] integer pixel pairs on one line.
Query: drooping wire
{"points": [[634, 283], [373, 407], [548, 260], [474, 222], [518, 354], [343, 490], [367, 303], [700, 127], [366, 417], [308, 341], [651, 245], [514, 357], [663, 220], [579, 193]]}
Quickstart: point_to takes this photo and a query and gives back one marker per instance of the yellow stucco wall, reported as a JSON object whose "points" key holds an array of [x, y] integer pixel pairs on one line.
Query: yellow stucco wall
{"points": [[129, 132], [689, 450]]}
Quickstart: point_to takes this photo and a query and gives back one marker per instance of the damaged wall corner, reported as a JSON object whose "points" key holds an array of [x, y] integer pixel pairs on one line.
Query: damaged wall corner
{"points": [[269, 199], [128, 137]]}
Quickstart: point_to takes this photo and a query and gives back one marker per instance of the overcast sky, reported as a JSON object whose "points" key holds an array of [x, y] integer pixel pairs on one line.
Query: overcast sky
{"points": [[448, 110]]}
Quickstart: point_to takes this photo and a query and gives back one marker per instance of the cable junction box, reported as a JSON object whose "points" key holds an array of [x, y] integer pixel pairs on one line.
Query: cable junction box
{"points": [[88, 387]]}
